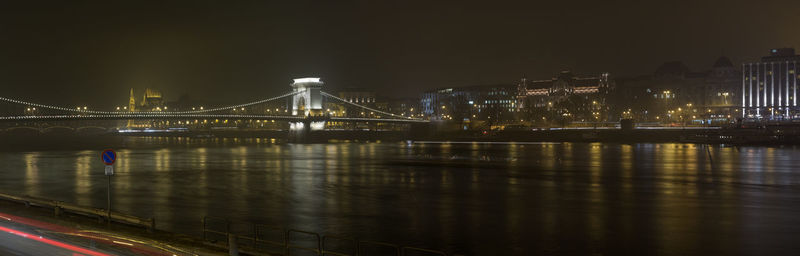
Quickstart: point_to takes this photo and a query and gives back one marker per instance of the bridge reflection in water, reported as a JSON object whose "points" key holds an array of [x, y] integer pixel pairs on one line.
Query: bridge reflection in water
{"points": [[476, 199]]}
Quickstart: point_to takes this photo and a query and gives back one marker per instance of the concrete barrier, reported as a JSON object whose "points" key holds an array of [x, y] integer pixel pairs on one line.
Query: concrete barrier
{"points": [[60, 207]]}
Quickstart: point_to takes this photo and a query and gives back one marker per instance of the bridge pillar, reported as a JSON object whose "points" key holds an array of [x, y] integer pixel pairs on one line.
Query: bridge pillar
{"points": [[308, 130], [308, 100]]}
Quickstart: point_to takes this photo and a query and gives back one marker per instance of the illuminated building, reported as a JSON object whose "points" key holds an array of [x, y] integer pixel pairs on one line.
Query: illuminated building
{"points": [[540, 93], [131, 108], [570, 97], [769, 87], [675, 94], [132, 102], [483, 102], [358, 95], [152, 100]]}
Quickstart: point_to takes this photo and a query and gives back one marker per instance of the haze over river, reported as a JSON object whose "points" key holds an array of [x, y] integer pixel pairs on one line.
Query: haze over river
{"points": [[468, 198]]}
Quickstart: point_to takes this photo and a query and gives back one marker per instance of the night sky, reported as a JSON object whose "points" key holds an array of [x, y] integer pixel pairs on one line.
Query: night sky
{"points": [[93, 52]]}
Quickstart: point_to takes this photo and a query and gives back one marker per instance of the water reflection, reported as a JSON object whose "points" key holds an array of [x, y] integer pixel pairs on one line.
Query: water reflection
{"points": [[31, 174], [83, 182], [471, 198]]}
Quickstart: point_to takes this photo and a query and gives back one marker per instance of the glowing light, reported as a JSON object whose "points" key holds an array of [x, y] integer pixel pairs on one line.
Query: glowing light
{"points": [[307, 80], [51, 242]]}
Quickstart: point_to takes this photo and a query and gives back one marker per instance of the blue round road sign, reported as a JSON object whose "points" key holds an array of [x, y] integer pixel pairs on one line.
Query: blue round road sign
{"points": [[109, 157]]}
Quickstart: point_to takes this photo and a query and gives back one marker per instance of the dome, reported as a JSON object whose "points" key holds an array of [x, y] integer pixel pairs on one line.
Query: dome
{"points": [[723, 62]]}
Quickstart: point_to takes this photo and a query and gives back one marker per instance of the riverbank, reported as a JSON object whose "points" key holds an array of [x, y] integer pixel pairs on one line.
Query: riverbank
{"points": [[786, 135]]}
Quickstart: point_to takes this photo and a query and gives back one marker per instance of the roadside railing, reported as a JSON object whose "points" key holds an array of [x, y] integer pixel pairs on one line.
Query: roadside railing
{"points": [[292, 242], [101, 214]]}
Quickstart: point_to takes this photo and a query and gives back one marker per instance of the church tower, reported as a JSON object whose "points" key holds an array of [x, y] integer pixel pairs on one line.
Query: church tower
{"points": [[132, 102], [131, 108]]}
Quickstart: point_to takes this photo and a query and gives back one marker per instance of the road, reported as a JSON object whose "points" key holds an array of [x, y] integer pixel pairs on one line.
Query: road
{"points": [[16, 240], [25, 236]]}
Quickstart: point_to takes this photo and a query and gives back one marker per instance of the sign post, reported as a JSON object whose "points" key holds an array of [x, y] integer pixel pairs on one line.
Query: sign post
{"points": [[109, 157]]}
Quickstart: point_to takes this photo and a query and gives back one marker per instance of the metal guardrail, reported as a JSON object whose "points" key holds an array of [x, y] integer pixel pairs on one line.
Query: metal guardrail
{"points": [[360, 246], [325, 245], [408, 249], [322, 244], [102, 214], [289, 246]]}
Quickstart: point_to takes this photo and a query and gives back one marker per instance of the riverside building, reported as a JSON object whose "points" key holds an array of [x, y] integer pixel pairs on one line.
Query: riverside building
{"points": [[769, 87]]}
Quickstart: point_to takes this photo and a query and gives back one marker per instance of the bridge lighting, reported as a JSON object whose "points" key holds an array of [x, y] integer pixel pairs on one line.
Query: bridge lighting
{"points": [[307, 80], [201, 107], [242, 109], [117, 108], [192, 108], [84, 108]]}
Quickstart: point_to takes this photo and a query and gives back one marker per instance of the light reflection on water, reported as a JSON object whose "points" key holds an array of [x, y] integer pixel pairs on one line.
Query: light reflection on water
{"points": [[483, 199]]}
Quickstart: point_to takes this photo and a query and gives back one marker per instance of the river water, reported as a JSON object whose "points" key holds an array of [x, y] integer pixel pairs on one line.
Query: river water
{"points": [[467, 198]]}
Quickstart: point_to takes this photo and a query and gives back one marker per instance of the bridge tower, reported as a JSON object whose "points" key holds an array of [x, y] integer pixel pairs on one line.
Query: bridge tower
{"points": [[308, 100]]}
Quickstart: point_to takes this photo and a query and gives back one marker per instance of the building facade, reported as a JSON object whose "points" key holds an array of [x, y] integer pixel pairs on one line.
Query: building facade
{"points": [[769, 87], [483, 102], [152, 100], [566, 97], [675, 94]]}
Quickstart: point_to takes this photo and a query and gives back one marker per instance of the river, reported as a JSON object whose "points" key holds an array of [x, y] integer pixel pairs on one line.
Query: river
{"points": [[466, 198]]}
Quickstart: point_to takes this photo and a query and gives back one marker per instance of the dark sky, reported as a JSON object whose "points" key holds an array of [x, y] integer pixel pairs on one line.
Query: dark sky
{"points": [[92, 52]]}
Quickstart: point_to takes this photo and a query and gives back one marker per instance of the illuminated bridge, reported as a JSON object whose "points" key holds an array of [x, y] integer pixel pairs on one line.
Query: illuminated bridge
{"points": [[306, 109]]}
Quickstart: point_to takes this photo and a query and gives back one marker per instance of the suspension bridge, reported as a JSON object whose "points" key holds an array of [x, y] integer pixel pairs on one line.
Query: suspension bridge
{"points": [[307, 108]]}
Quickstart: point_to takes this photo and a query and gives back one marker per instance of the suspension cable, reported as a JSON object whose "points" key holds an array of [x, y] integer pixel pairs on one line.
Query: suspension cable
{"points": [[144, 112], [365, 107]]}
